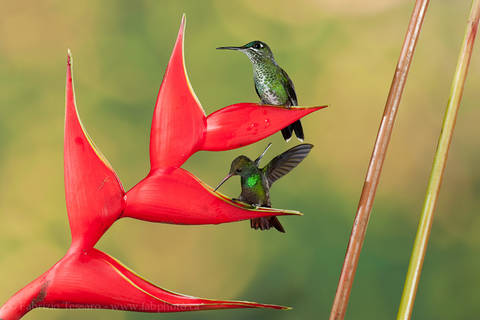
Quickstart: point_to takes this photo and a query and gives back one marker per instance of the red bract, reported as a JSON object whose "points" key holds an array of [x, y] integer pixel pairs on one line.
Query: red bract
{"points": [[177, 196], [88, 278], [92, 279], [93, 192]]}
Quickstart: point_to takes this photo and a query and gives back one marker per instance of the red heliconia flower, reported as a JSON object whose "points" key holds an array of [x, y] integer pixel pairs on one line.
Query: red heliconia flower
{"points": [[180, 128], [88, 278]]}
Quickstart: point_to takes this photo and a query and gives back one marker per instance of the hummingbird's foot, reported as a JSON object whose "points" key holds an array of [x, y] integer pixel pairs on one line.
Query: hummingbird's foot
{"points": [[251, 205], [241, 201]]}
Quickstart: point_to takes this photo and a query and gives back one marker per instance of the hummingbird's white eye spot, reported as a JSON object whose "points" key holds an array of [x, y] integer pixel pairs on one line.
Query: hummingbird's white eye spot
{"points": [[258, 45]]}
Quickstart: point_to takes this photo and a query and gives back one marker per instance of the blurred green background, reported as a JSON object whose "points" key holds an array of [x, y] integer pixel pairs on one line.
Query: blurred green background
{"points": [[338, 52]]}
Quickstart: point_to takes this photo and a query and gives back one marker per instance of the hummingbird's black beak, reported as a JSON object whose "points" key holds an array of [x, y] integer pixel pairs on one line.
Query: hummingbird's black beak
{"points": [[230, 48], [223, 181]]}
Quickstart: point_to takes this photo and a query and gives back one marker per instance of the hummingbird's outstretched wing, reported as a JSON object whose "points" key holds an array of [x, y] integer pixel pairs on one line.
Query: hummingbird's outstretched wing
{"points": [[285, 162]]}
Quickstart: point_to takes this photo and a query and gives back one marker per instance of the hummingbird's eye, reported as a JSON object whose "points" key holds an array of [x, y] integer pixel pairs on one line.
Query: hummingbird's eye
{"points": [[238, 170], [258, 45]]}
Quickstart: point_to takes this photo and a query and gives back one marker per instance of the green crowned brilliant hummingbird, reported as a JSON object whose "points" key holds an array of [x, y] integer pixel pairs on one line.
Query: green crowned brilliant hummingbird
{"points": [[256, 182], [272, 83]]}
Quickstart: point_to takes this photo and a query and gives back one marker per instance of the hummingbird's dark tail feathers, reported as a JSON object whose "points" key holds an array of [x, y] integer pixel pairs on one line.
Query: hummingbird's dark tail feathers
{"points": [[276, 224], [294, 127], [265, 223], [297, 128], [287, 133]]}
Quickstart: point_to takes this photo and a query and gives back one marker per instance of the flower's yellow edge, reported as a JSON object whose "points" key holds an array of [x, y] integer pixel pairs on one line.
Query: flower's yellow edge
{"points": [[243, 205], [139, 276], [294, 107], [239, 303], [133, 284], [183, 24], [90, 141]]}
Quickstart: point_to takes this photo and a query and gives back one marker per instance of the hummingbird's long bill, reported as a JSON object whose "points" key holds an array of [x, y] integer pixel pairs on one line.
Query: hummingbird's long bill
{"points": [[223, 181], [230, 48]]}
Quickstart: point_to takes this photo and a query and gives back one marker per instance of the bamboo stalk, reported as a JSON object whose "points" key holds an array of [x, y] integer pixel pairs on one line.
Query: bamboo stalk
{"points": [[376, 162], [438, 168]]}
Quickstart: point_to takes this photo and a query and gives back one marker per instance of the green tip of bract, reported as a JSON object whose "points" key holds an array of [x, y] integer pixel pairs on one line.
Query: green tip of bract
{"points": [[69, 56]]}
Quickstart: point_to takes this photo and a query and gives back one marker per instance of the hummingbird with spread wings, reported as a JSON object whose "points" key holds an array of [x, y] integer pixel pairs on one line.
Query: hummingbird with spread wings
{"points": [[256, 182], [272, 83]]}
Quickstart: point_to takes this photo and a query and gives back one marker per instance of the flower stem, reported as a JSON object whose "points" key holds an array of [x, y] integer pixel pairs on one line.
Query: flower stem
{"points": [[438, 168], [376, 162]]}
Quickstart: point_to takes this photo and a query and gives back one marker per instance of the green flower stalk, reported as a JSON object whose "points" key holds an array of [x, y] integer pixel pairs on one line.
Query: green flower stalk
{"points": [[372, 179], [439, 162]]}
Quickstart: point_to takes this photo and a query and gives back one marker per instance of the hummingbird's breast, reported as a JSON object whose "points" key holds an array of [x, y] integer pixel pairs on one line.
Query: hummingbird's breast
{"points": [[255, 191], [269, 85]]}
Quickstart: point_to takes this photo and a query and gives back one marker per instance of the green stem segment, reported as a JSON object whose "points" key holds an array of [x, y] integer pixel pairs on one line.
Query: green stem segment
{"points": [[376, 162], [425, 225]]}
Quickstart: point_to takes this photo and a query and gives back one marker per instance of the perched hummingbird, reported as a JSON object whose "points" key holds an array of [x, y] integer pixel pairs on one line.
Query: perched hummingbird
{"points": [[256, 182], [272, 83]]}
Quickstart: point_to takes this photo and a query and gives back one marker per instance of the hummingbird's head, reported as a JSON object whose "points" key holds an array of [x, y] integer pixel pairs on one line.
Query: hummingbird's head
{"points": [[241, 166], [256, 51]]}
